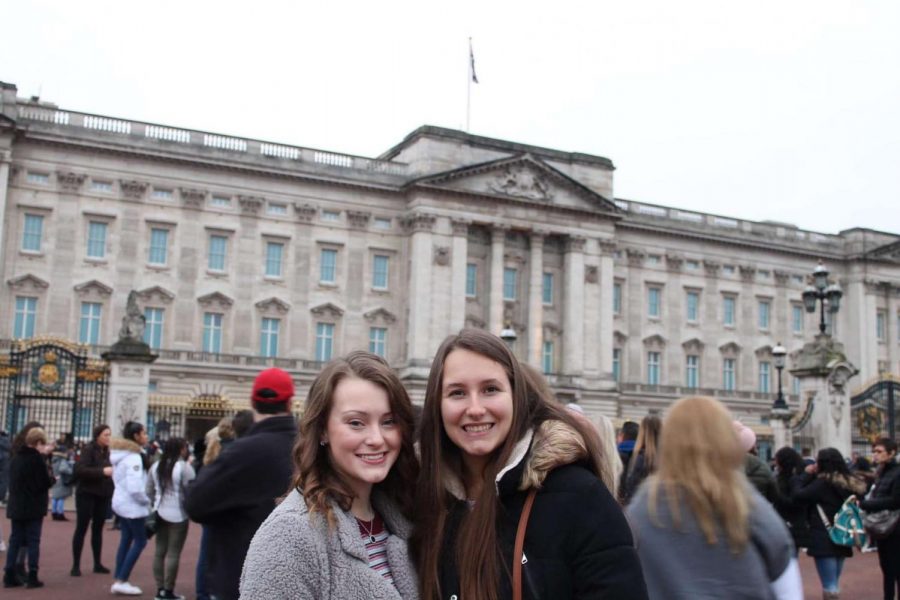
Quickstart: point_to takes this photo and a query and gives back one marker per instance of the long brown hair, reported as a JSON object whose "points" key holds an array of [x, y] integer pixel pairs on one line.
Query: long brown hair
{"points": [[700, 465], [477, 549], [316, 478], [648, 441]]}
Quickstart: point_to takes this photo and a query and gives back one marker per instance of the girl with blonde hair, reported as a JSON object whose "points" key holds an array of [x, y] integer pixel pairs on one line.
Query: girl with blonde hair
{"points": [[702, 530]]}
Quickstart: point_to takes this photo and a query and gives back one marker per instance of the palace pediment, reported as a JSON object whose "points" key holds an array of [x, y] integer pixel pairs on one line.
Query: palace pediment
{"points": [[521, 178]]}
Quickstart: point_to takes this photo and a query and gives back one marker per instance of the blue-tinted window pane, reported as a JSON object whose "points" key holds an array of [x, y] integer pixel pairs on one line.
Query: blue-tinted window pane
{"points": [[324, 341], [547, 290], [797, 319], [96, 246], [509, 284], [159, 246], [547, 358], [268, 337], [89, 325], [380, 272], [653, 299], [764, 314], [328, 266], [471, 280], [693, 306], [653, 368], [692, 372], [728, 374], [617, 363], [84, 423], [31, 237], [617, 298], [378, 341], [217, 250], [153, 328], [26, 313], [274, 253], [728, 311], [764, 377], [212, 332]]}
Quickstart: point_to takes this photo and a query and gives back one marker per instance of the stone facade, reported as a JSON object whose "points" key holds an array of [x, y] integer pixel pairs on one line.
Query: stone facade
{"points": [[240, 248]]}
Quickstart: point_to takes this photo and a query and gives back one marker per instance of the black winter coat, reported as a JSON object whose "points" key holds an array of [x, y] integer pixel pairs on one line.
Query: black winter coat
{"points": [[886, 495], [811, 490], [793, 513], [577, 544], [29, 484], [89, 472], [234, 494]]}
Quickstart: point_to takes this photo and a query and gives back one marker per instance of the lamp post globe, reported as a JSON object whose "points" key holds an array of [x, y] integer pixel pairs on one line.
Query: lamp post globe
{"points": [[780, 408]]}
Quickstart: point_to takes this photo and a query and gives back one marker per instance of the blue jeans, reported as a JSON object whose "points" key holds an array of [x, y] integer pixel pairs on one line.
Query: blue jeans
{"points": [[24, 534], [829, 568], [133, 540], [202, 566], [57, 506]]}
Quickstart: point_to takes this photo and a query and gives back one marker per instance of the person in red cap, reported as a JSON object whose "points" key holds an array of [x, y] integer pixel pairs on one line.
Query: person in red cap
{"points": [[233, 495]]}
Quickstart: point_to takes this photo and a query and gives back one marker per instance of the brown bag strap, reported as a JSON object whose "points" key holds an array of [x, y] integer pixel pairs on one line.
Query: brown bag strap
{"points": [[520, 544]]}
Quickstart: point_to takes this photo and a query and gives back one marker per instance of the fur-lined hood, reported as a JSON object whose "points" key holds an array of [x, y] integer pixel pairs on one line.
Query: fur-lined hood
{"points": [[123, 444], [552, 444], [854, 484]]}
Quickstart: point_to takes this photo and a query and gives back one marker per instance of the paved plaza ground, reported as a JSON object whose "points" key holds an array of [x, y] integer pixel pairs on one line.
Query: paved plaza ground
{"points": [[861, 579]]}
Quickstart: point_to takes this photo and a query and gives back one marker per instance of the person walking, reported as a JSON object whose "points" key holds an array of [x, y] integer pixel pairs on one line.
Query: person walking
{"points": [[823, 489], [130, 502], [703, 530], [490, 443], [234, 494], [29, 483], [93, 492], [644, 458], [886, 496], [342, 531], [63, 470], [789, 466], [169, 477]]}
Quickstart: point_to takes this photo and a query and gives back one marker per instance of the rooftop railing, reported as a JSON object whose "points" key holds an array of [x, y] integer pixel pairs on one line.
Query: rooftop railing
{"points": [[42, 114]]}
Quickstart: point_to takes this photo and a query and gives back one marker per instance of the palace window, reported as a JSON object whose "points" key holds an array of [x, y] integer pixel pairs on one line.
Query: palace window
{"points": [[728, 305], [509, 284], [26, 313], [159, 246], [653, 359], [547, 289], [212, 332], [274, 255], [380, 272], [547, 358], [96, 242], [32, 233], [693, 306], [378, 341], [471, 280], [324, 341], [328, 266], [728, 374], [218, 248], [268, 337], [765, 313], [654, 297], [153, 329], [692, 371], [765, 376], [89, 324]]}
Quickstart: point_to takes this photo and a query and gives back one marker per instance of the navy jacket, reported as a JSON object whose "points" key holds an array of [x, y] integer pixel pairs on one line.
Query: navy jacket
{"points": [[29, 484]]}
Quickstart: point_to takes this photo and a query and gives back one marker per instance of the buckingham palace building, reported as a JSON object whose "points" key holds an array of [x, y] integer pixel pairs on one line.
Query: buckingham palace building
{"points": [[246, 254]]}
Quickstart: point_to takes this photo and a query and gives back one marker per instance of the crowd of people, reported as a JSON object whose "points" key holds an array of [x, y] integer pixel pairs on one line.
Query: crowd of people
{"points": [[492, 490]]}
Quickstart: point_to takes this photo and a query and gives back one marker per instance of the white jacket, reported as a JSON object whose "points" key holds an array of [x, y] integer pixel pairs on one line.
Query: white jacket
{"points": [[171, 505], [129, 499]]}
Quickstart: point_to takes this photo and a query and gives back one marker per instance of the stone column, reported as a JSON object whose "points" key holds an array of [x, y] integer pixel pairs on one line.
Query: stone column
{"points": [[419, 294], [460, 252], [5, 160], [781, 433], [536, 300], [573, 307], [495, 307], [605, 334], [824, 371]]}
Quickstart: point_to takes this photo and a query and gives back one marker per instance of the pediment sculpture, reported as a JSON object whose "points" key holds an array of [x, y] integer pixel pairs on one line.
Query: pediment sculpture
{"points": [[521, 182]]}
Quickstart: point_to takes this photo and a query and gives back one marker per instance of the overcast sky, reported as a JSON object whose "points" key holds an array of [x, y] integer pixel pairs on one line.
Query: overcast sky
{"points": [[785, 110]]}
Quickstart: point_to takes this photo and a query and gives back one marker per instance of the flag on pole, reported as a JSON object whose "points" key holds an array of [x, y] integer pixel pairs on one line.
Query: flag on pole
{"points": [[472, 62]]}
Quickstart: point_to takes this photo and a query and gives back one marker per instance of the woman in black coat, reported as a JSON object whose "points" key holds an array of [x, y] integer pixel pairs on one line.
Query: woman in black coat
{"points": [[93, 472], [789, 465], [886, 496], [29, 484], [827, 484]]}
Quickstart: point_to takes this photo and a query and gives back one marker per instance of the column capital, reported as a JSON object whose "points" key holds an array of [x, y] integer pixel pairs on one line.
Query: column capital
{"points": [[499, 231], [781, 277], [460, 226], [607, 246], [712, 267], [636, 257], [538, 234], [418, 222], [358, 219], [575, 243]]}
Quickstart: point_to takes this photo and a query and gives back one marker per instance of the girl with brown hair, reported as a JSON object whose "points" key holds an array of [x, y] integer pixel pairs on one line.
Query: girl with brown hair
{"points": [[644, 458], [488, 439], [341, 532]]}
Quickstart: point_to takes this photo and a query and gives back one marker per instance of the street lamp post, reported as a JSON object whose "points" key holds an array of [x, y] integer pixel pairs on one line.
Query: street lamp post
{"points": [[508, 334], [819, 292], [780, 407]]}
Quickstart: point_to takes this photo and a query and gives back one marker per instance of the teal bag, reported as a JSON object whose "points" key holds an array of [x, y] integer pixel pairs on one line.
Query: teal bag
{"points": [[848, 528]]}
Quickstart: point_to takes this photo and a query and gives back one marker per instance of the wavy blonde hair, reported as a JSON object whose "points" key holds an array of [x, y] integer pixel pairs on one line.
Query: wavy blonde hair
{"points": [[701, 466], [609, 459]]}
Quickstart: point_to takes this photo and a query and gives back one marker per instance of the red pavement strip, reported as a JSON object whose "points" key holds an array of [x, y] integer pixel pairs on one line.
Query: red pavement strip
{"points": [[861, 579]]}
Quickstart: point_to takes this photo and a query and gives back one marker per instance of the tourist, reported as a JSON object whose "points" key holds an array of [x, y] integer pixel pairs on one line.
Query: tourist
{"points": [[130, 502], [644, 458], [342, 532], [234, 494], [703, 530], [823, 489], [213, 442], [626, 440], [789, 465], [63, 469], [488, 443], [29, 483], [168, 479], [93, 493], [886, 496]]}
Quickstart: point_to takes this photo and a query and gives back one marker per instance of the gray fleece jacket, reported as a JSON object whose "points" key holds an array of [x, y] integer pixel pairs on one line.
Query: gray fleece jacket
{"points": [[295, 555]]}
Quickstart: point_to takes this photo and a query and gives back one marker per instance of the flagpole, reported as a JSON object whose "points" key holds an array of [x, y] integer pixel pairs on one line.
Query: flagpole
{"points": [[469, 86]]}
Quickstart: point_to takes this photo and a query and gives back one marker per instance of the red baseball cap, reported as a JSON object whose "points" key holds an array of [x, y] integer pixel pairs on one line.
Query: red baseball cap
{"points": [[272, 385]]}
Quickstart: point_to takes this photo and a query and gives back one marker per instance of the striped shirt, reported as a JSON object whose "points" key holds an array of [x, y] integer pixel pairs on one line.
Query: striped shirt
{"points": [[375, 536]]}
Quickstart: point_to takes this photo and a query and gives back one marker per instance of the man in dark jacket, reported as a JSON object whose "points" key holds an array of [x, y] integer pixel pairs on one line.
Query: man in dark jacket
{"points": [[234, 494], [4, 464], [886, 496], [627, 438]]}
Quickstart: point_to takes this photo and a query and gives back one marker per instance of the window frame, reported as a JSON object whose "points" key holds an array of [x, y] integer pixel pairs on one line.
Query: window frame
{"points": [[89, 324]]}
